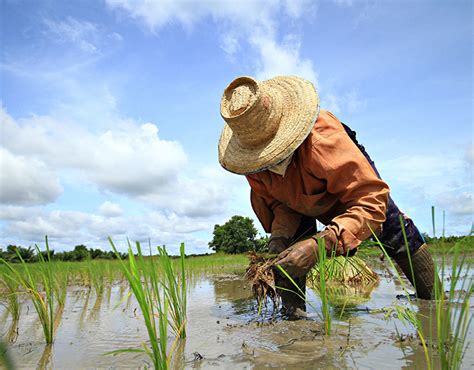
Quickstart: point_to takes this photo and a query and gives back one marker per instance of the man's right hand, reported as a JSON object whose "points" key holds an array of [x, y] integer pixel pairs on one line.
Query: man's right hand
{"points": [[298, 259], [278, 244]]}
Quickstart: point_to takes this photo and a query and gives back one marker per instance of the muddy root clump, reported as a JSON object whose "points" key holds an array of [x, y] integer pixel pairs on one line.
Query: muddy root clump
{"points": [[261, 276]]}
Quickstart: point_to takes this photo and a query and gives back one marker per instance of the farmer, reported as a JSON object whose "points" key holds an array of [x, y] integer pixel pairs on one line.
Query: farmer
{"points": [[304, 165]]}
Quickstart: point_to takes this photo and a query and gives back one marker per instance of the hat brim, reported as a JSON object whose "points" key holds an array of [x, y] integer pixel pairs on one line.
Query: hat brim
{"points": [[299, 102]]}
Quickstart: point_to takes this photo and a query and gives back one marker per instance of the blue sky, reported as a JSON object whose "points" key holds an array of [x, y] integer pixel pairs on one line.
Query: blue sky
{"points": [[110, 109]]}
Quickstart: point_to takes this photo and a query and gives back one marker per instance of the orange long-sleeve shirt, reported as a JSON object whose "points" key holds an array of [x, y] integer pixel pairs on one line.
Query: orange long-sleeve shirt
{"points": [[328, 179]]}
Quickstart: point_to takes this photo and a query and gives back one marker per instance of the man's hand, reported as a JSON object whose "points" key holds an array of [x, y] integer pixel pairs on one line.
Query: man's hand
{"points": [[298, 259], [278, 244]]}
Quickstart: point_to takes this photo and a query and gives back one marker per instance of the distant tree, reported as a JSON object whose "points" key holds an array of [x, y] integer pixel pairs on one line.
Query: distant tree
{"points": [[45, 256], [96, 253], [261, 244], [27, 254], [80, 253], [236, 236]]}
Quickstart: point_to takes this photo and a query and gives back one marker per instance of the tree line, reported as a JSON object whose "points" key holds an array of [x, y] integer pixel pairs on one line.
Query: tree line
{"points": [[79, 253], [237, 235]]}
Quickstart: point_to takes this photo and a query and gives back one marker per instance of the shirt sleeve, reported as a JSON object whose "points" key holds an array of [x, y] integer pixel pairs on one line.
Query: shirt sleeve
{"points": [[276, 218], [351, 178]]}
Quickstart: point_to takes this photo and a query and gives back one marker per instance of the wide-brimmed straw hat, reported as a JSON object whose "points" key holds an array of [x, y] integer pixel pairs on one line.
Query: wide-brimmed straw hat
{"points": [[266, 121]]}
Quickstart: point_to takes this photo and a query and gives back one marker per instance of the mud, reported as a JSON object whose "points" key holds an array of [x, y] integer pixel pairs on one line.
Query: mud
{"points": [[224, 332]]}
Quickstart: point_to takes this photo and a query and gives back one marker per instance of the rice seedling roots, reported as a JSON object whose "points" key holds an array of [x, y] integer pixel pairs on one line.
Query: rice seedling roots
{"points": [[261, 276], [343, 274]]}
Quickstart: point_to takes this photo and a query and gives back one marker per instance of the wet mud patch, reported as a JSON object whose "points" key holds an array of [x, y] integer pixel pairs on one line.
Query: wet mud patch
{"points": [[225, 332], [294, 344]]}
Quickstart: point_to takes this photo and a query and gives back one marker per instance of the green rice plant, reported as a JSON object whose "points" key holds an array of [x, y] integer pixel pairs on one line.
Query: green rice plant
{"points": [[96, 276], [325, 302], [145, 285], [174, 285], [5, 360], [404, 314], [40, 288], [61, 273], [13, 306], [220, 262], [11, 293], [415, 322], [325, 307], [348, 281], [452, 313]]}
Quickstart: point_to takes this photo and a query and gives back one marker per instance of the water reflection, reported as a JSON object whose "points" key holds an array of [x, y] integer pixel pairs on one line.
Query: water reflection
{"points": [[234, 294], [223, 329]]}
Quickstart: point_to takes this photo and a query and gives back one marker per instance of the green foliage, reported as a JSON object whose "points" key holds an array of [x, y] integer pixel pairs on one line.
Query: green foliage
{"points": [[42, 289], [161, 295], [79, 253], [261, 244], [173, 280], [452, 309], [322, 258], [447, 239], [237, 235], [16, 253]]}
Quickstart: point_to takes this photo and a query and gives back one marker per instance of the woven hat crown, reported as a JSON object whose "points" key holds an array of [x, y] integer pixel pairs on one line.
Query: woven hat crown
{"points": [[266, 121], [250, 112]]}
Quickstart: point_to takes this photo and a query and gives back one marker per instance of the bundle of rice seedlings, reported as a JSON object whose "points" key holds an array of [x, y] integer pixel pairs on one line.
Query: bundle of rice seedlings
{"points": [[349, 281], [261, 276]]}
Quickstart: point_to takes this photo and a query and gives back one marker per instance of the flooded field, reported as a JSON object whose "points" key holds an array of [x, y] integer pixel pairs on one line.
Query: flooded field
{"points": [[225, 332]]}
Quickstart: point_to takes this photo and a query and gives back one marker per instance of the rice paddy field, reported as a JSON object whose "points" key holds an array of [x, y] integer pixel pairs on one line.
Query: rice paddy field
{"points": [[199, 312]]}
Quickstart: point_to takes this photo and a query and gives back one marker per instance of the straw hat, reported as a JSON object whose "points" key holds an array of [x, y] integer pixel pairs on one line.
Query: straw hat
{"points": [[266, 121]]}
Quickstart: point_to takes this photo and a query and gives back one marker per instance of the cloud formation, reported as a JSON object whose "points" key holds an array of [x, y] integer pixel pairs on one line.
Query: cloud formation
{"points": [[65, 229], [437, 179], [130, 159], [246, 24], [109, 209], [87, 36], [26, 181]]}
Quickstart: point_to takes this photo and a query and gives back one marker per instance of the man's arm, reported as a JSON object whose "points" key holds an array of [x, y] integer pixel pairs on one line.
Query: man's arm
{"points": [[275, 217], [349, 176]]}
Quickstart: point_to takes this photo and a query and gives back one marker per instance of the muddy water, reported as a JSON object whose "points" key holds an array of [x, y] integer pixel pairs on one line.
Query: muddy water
{"points": [[225, 331]]}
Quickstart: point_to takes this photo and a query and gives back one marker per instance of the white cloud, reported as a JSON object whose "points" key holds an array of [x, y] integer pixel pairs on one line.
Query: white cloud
{"points": [[349, 103], [87, 36], [439, 180], [203, 193], [155, 14], [281, 58], [12, 213], [26, 181], [425, 169], [109, 209], [252, 22], [230, 44], [65, 229], [469, 158], [458, 204], [57, 224], [130, 159]]}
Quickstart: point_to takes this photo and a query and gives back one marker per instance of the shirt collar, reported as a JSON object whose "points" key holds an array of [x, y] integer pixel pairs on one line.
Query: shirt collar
{"points": [[280, 168]]}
